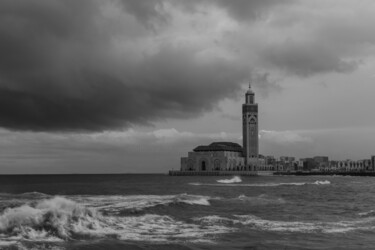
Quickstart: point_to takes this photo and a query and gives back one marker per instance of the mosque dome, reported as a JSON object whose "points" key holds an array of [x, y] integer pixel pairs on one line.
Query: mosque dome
{"points": [[250, 91], [220, 146]]}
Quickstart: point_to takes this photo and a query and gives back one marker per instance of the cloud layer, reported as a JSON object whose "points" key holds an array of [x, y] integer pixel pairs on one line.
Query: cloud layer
{"points": [[94, 65]]}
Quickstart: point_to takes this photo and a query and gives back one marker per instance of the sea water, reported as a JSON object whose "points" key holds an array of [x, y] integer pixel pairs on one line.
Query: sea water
{"points": [[192, 212]]}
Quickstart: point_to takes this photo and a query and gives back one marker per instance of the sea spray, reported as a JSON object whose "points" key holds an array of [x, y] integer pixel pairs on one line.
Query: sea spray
{"points": [[48, 218], [235, 179]]}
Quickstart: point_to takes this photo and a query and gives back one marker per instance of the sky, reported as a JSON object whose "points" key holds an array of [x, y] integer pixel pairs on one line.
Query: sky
{"points": [[130, 86]]}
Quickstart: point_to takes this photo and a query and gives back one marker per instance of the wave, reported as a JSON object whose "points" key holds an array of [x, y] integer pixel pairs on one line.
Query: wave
{"points": [[235, 179], [60, 219], [117, 203], [262, 199], [33, 194], [367, 214], [269, 184], [257, 223]]}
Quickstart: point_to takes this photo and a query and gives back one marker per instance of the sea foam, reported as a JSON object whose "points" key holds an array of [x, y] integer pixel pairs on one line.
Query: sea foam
{"points": [[326, 182], [257, 223], [118, 203], [235, 179], [61, 219]]}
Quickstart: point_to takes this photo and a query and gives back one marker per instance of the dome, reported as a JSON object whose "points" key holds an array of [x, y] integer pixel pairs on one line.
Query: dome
{"points": [[250, 92], [220, 146]]}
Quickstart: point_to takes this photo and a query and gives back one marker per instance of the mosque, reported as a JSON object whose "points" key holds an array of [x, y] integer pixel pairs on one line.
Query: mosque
{"points": [[221, 157]]}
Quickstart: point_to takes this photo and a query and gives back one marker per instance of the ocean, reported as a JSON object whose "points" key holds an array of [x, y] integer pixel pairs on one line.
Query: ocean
{"points": [[191, 212]]}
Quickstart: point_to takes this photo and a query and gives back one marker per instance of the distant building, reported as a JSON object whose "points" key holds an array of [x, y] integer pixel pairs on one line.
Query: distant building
{"points": [[321, 159], [308, 164], [229, 156], [321, 162]]}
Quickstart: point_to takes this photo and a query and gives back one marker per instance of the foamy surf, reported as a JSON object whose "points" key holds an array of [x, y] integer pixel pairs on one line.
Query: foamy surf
{"points": [[117, 203], [61, 219], [235, 179], [257, 223]]}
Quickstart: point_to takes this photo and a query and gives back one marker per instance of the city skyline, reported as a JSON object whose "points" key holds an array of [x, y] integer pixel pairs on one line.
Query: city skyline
{"points": [[130, 86]]}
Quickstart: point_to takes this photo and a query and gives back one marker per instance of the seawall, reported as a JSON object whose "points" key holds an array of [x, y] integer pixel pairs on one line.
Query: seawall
{"points": [[369, 173], [211, 173]]}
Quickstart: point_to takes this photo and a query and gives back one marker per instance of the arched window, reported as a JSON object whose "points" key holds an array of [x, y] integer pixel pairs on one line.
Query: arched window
{"points": [[203, 166]]}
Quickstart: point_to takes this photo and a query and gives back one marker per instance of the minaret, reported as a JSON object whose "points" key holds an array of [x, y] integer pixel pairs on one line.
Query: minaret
{"points": [[250, 130]]}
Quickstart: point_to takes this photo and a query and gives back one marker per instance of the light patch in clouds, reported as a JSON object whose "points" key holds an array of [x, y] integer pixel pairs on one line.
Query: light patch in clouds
{"points": [[284, 137], [159, 136]]}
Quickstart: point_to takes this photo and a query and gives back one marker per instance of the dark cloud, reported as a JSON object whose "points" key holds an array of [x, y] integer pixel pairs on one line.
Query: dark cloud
{"points": [[92, 65], [59, 72]]}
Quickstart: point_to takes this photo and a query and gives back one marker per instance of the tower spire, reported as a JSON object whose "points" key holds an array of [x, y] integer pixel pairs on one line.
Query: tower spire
{"points": [[249, 84]]}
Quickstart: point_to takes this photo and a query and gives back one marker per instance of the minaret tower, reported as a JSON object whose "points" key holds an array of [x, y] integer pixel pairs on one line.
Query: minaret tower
{"points": [[250, 130]]}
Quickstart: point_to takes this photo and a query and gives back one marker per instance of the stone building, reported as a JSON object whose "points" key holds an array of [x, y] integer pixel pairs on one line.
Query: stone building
{"points": [[229, 156], [218, 156]]}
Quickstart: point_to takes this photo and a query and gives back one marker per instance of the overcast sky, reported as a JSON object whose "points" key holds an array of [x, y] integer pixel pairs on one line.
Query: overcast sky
{"points": [[133, 85]]}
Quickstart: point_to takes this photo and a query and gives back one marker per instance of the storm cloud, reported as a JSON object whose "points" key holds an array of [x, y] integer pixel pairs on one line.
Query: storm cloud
{"points": [[95, 65], [63, 67]]}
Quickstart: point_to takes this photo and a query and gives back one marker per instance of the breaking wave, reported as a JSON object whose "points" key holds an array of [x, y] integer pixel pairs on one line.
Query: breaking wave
{"points": [[117, 203], [257, 223], [60, 219], [235, 179]]}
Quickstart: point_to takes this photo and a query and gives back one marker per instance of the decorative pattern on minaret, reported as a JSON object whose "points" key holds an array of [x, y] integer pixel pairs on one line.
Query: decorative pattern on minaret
{"points": [[250, 129]]}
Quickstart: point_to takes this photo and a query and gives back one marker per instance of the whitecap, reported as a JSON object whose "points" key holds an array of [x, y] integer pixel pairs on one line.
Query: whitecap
{"points": [[61, 219], [326, 182], [117, 203], [235, 179]]}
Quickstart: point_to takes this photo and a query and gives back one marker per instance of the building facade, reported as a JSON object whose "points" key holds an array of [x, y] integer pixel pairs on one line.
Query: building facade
{"points": [[218, 156]]}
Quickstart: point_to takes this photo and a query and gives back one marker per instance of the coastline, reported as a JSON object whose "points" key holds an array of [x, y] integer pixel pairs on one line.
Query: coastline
{"points": [[352, 173]]}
